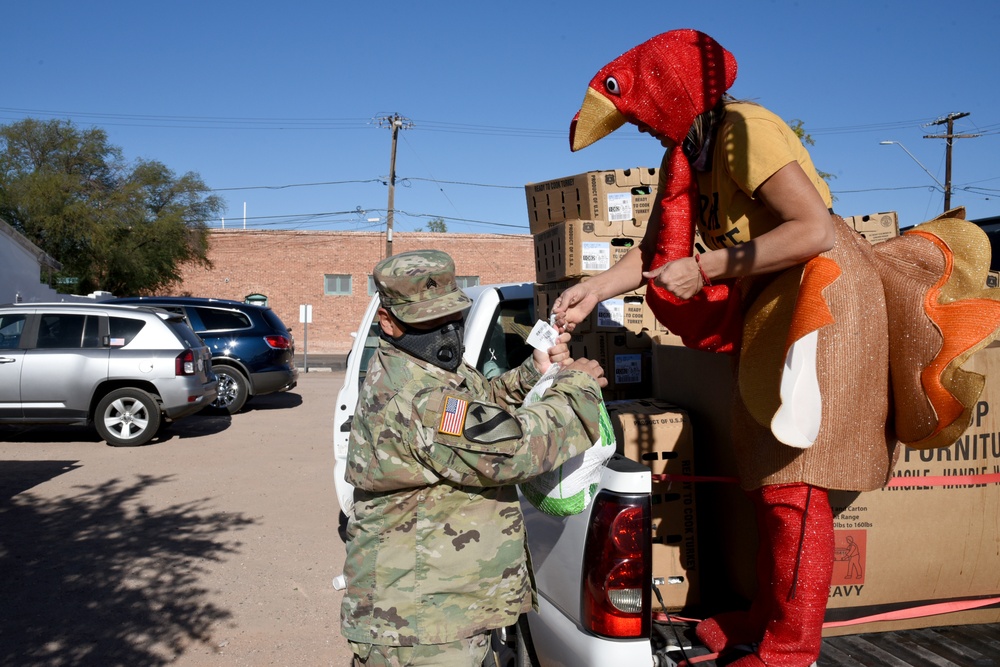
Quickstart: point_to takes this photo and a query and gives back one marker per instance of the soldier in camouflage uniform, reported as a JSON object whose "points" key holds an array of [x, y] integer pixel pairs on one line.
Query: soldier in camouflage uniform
{"points": [[436, 556]]}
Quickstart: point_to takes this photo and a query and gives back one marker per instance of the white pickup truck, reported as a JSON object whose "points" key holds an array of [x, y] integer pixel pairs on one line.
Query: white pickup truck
{"points": [[593, 570]]}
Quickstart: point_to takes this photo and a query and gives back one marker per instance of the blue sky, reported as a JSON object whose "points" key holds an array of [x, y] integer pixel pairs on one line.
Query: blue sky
{"points": [[276, 105]]}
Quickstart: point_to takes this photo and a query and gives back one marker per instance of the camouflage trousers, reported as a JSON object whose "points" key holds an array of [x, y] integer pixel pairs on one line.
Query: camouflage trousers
{"points": [[470, 652]]}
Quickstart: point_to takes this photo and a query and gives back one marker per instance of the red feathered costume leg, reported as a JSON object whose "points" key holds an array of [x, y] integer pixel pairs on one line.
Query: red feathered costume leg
{"points": [[794, 568], [728, 629]]}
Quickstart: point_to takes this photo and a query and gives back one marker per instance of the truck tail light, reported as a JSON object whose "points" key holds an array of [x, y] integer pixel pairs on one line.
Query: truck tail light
{"points": [[617, 567], [184, 363]]}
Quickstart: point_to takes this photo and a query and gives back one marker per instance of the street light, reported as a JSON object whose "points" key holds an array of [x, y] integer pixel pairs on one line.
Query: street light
{"points": [[945, 188]]}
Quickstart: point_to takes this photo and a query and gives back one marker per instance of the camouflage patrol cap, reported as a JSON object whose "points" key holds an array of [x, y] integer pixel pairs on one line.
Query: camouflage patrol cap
{"points": [[419, 285]]}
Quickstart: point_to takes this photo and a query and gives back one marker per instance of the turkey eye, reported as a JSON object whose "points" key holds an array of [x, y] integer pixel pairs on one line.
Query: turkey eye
{"points": [[611, 83]]}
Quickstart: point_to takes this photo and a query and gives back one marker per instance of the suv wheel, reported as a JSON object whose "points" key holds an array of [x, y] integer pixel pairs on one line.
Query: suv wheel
{"points": [[233, 389], [127, 417]]}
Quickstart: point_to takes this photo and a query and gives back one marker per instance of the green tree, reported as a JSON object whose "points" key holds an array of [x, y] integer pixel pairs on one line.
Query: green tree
{"points": [[125, 228], [436, 225], [798, 128]]}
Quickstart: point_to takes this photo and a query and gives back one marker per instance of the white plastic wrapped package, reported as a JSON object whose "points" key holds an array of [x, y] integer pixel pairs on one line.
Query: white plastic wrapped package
{"points": [[568, 489]]}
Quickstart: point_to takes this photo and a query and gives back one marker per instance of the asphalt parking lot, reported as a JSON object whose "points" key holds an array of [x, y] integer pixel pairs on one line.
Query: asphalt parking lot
{"points": [[215, 544]]}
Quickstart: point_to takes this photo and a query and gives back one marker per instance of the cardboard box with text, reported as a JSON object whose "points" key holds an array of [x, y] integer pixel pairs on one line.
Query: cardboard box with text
{"points": [[658, 435], [626, 312], [617, 195], [630, 369], [910, 545], [876, 227], [576, 248]]}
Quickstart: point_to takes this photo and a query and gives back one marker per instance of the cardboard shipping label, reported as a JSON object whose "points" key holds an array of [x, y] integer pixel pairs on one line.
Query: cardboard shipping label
{"points": [[628, 369], [596, 255], [619, 206], [611, 313]]}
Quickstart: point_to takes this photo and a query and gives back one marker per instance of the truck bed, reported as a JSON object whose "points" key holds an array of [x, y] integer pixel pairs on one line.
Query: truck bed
{"points": [[960, 645], [949, 646]]}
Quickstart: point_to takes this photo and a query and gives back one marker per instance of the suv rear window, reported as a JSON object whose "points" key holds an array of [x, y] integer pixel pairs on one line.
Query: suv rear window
{"points": [[273, 320], [214, 319], [123, 330], [184, 332]]}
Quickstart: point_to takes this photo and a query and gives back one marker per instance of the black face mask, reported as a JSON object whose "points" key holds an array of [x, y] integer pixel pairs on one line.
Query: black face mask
{"points": [[441, 346]]}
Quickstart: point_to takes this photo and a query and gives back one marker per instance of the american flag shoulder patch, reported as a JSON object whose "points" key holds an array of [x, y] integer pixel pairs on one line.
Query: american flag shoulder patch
{"points": [[453, 415]]}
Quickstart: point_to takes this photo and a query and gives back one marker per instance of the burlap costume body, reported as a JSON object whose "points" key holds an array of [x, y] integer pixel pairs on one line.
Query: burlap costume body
{"points": [[876, 316], [849, 453]]}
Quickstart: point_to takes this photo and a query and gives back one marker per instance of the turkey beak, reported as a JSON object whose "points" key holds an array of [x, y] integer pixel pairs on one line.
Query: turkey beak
{"points": [[597, 118]]}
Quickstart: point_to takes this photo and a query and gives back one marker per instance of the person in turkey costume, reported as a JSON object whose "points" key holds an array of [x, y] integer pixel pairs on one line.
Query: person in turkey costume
{"points": [[831, 374]]}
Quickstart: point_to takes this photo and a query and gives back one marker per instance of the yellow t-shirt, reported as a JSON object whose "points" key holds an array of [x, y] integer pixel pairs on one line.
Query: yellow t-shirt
{"points": [[751, 144]]}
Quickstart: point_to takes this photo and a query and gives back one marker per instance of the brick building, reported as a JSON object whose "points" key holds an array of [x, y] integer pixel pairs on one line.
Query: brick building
{"points": [[331, 271]]}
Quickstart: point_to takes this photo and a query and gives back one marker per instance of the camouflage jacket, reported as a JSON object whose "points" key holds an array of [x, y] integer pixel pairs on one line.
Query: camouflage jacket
{"points": [[436, 550]]}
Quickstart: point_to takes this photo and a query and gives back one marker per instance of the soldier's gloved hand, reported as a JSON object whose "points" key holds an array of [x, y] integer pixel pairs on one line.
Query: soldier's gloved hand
{"points": [[590, 367]]}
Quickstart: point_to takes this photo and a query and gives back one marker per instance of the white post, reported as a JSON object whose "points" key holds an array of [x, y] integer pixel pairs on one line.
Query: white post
{"points": [[305, 319]]}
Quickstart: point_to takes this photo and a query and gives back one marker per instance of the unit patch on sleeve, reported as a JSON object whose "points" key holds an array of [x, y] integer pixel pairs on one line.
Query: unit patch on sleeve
{"points": [[489, 424], [453, 415]]}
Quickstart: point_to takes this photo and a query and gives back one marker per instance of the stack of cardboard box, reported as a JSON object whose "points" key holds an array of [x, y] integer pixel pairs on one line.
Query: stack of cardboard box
{"points": [[582, 225]]}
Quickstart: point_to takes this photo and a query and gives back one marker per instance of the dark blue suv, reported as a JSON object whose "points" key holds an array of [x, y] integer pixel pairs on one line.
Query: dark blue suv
{"points": [[252, 349]]}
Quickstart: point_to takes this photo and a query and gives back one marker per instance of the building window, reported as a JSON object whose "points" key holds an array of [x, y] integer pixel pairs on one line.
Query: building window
{"points": [[337, 284], [371, 286]]}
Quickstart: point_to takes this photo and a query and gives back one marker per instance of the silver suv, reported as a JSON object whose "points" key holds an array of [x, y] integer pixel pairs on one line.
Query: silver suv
{"points": [[125, 369]]}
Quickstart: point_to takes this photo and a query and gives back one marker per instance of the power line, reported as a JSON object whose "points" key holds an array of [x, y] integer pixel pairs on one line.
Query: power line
{"points": [[279, 124], [283, 123], [366, 180], [477, 185], [316, 218], [203, 122], [297, 185], [871, 127]]}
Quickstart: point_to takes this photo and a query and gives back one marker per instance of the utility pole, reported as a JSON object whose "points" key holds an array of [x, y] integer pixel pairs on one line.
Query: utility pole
{"points": [[950, 121], [396, 122]]}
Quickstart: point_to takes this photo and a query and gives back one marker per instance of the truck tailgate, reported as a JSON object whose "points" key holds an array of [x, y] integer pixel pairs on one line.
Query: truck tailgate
{"points": [[555, 544]]}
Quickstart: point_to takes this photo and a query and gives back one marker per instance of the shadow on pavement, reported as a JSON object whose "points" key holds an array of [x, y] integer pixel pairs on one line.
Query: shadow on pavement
{"points": [[18, 476], [198, 425], [193, 426], [97, 578], [48, 433], [276, 401]]}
